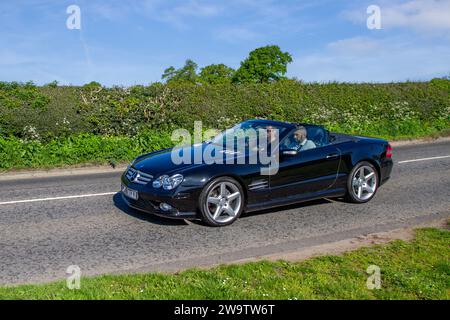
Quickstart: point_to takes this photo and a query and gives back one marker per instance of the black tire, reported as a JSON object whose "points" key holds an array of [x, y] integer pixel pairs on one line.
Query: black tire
{"points": [[351, 195], [203, 201]]}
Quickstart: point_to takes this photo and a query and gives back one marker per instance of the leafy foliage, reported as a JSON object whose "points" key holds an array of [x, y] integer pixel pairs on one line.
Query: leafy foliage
{"points": [[188, 73], [82, 148], [216, 74], [53, 84], [441, 83], [35, 120], [264, 64], [14, 95], [392, 110]]}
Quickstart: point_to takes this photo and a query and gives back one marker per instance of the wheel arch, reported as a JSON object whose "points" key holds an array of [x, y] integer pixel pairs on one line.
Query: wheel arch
{"points": [[235, 177], [374, 163]]}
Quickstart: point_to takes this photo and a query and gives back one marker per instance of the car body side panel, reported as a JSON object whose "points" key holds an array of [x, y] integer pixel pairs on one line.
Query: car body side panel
{"points": [[308, 172]]}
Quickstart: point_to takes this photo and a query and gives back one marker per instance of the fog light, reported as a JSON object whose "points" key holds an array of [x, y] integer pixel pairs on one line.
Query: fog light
{"points": [[165, 207]]}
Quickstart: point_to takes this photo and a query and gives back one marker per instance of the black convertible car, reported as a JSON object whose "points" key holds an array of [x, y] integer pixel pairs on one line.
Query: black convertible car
{"points": [[311, 163]]}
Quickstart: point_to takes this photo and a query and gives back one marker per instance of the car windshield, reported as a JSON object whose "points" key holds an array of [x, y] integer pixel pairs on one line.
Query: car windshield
{"points": [[249, 133]]}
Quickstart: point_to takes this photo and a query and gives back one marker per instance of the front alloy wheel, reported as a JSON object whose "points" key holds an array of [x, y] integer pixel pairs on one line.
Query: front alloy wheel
{"points": [[221, 202]]}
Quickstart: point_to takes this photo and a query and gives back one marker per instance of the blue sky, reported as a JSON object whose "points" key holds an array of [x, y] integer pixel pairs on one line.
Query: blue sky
{"points": [[132, 42]]}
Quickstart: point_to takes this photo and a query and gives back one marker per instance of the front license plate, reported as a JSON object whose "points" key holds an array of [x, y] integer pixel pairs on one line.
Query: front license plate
{"points": [[130, 193]]}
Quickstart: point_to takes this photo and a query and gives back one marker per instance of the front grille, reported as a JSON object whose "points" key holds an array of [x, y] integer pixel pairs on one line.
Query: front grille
{"points": [[137, 176], [142, 204]]}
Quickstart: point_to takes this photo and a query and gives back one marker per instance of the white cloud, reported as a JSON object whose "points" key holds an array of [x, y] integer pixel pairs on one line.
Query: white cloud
{"points": [[12, 58], [419, 15], [257, 14], [173, 13], [359, 45], [197, 9], [368, 60], [236, 34], [177, 15]]}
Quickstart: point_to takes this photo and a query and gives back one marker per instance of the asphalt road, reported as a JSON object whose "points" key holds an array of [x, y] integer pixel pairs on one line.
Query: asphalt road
{"points": [[40, 239]]}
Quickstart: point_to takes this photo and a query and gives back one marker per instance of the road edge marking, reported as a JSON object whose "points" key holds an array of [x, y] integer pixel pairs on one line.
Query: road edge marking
{"points": [[423, 159], [59, 198]]}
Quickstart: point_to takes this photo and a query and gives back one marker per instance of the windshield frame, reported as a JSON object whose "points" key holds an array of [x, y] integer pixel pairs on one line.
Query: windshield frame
{"points": [[283, 127]]}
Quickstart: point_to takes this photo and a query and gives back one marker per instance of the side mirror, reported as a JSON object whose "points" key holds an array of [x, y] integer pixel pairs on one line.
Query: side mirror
{"points": [[289, 152]]}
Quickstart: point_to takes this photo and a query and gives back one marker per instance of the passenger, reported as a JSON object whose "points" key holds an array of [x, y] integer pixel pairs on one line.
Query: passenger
{"points": [[301, 143]]}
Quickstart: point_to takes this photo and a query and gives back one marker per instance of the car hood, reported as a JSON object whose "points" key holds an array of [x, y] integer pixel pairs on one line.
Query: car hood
{"points": [[160, 162]]}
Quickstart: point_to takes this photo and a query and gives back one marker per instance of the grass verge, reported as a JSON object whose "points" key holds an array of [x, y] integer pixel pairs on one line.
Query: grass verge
{"points": [[86, 149], [419, 269]]}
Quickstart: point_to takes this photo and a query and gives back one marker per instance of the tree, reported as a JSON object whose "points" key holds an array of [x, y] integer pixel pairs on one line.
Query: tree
{"points": [[169, 73], [216, 74], [263, 64], [92, 85], [188, 73], [53, 84]]}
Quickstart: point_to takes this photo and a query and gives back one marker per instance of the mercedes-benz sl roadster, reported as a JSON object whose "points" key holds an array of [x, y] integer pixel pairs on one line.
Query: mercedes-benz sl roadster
{"points": [[306, 162]]}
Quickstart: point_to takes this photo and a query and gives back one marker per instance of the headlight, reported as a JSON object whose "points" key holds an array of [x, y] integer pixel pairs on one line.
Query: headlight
{"points": [[157, 183], [168, 183]]}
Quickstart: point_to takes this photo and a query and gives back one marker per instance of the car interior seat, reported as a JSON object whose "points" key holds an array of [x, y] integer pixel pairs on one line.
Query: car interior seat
{"points": [[316, 135]]}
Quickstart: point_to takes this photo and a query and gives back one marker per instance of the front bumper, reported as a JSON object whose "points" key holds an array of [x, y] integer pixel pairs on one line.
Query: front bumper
{"points": [[148, 206], [183, 202]]}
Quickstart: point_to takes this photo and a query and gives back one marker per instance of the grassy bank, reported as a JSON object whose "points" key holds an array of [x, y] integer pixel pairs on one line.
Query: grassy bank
{"points": [[419, 269]]}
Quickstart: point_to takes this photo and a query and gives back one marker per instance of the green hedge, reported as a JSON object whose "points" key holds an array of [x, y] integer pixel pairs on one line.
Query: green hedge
{"points": [[82, 148], [50, 125], [396, 109]]}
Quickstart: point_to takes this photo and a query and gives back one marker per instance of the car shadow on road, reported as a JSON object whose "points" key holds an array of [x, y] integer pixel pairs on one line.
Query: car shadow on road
{"points": [[122, 206], [287, 207], [274, 210]]}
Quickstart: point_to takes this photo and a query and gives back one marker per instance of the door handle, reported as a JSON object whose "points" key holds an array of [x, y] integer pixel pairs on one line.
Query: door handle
{"points": [[332, 155]]}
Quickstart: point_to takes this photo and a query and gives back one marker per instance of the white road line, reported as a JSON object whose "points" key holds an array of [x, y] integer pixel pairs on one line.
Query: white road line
{"points": [[111, 193], [424, 159], [60, 198]]}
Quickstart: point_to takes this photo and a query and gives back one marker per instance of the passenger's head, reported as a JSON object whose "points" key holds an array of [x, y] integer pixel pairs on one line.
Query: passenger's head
{"points": [[300, 134]]}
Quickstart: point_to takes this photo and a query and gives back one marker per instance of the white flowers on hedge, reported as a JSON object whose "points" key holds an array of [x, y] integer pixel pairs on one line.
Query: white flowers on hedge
{"points": [[30, 133]]}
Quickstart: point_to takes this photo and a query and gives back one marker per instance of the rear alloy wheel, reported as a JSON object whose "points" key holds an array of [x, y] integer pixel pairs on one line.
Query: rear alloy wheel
{"points": [[221, 202], [362, 183]]}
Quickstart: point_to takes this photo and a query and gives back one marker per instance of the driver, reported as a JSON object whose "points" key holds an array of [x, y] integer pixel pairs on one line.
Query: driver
{"points": [[300, 142], [271, 134], [272, 138]]}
